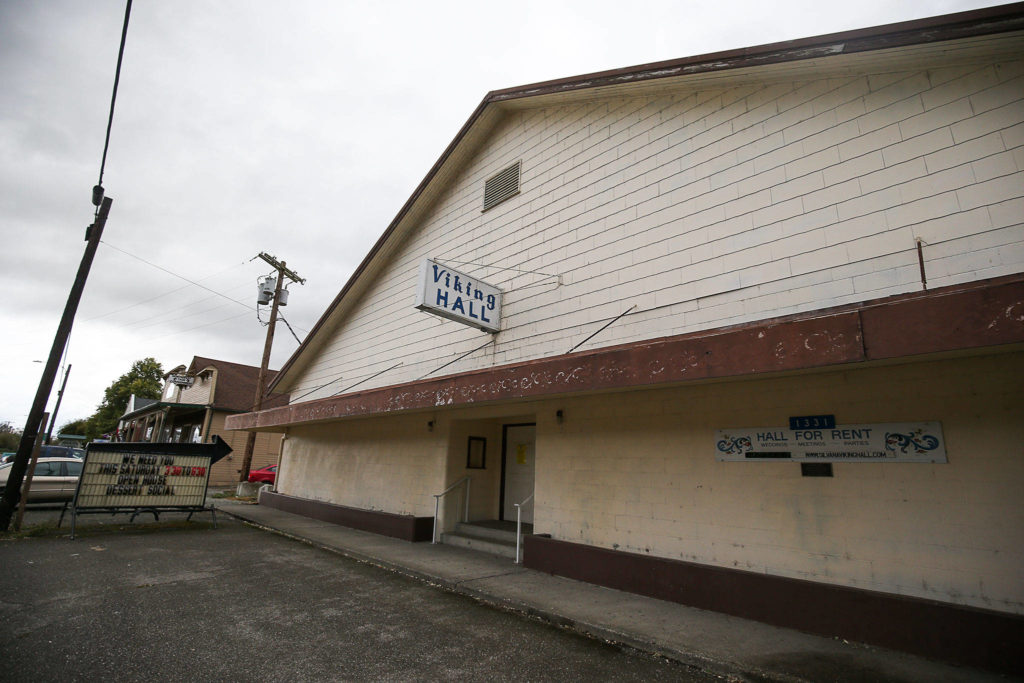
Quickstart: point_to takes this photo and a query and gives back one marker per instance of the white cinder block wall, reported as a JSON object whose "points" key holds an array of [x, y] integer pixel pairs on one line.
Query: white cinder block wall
{"points": [[390, 465], [636, 472], [706, 208]]}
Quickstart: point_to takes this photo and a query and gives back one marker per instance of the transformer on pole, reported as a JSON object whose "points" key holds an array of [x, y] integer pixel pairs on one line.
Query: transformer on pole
{"points": [[269, 289]]}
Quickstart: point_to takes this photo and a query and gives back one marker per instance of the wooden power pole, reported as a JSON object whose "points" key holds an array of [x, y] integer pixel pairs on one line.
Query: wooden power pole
{"points": [[12, 493], [261, 378]]}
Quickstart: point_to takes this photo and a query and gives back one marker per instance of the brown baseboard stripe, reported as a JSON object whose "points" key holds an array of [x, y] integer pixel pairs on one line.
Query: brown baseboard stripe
{"points": [[405, 527], [961, 635]]}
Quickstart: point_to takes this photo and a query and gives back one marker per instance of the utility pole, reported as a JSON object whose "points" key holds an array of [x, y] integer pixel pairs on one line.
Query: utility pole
{"points": [[282, 272], [12, 493], [28, 478], [60, 397]]}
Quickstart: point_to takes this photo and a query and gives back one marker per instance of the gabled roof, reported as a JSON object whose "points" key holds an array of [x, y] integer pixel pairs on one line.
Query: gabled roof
{"points": [[860, 48], [236, 384], [137, 404], [141, 403]]}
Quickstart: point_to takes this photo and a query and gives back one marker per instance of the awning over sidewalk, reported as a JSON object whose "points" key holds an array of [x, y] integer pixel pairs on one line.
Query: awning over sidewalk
{"points": [[959, 318]]}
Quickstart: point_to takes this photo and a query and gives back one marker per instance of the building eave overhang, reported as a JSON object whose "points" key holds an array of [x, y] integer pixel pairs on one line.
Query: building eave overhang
{"points": [[969, 24], [969, 317], [974, 23], [163, 406]]}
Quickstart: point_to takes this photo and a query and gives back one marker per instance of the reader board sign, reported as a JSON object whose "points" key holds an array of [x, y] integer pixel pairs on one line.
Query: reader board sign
{"points": [[146, 475], [452, 294], [882, 442], [143, 480]]}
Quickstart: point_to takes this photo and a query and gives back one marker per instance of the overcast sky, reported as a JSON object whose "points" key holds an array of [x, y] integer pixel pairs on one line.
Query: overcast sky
{"points": [[297, 128]]}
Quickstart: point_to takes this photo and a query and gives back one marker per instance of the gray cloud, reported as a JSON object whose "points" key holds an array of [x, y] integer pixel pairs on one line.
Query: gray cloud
{"points": [[295, 128]]}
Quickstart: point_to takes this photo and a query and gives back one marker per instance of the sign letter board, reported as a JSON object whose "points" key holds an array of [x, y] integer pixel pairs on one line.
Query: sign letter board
{"points": [[145, 477], [132, 480]]}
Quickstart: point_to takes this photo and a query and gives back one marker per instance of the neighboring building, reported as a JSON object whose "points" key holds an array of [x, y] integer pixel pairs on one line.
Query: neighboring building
{"points": [[192, 408], [691, 255], [72, 440]]}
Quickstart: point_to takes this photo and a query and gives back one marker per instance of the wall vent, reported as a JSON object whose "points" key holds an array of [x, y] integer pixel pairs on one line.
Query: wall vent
{"points": [[502, 185]]}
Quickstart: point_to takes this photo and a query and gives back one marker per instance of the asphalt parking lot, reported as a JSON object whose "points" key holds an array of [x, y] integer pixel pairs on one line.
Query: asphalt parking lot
{"points": [[176, 601]]}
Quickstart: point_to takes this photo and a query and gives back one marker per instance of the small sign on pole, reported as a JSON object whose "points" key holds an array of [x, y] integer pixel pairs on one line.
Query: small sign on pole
{"points": [[182, 380]]}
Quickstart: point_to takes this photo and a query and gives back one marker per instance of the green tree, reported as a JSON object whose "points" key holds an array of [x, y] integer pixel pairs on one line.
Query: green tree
{"points": [[10, 437], [145, 380], [80, 427]]}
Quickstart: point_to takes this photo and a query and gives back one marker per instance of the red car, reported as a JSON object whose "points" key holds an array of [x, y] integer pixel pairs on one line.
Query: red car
{"points": [[265, 475]]}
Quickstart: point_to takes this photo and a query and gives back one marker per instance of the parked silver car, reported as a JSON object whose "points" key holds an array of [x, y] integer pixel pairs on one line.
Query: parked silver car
{"points": [[55, 479]]}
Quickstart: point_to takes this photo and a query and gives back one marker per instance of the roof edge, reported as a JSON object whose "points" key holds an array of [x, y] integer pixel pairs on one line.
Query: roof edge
{"points": [[984, 21]]}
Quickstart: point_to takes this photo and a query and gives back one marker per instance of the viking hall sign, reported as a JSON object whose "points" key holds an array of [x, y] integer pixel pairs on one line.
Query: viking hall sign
{"points": [[454, 295]]}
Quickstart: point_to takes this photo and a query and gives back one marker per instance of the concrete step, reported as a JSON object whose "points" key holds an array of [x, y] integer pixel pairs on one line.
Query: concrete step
{"points": [[501, 547], [489, 531]]}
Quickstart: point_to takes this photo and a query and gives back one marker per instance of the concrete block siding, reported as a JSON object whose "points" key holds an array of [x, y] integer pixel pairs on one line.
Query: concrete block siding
{"points": [[390, 466], [636, 472], [707, 208]]}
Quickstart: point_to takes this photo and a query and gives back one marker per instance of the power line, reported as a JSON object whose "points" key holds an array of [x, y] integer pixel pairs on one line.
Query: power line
{"points": [[113, 95], [215, 322], [164, 317], [159, 296], [163, 314], [180, 277], [288, 325]]}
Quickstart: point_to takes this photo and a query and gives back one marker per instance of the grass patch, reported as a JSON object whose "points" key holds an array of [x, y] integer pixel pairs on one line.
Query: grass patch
{"points": [[231, 496], [41, 530]]}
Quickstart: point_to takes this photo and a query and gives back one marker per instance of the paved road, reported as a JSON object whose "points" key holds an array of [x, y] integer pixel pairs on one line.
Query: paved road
{"points": [[237, 603]]}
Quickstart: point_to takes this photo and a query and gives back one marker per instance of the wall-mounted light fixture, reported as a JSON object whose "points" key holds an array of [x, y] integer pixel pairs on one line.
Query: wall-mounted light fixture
{"points": [[430, 425], [559, 416]]}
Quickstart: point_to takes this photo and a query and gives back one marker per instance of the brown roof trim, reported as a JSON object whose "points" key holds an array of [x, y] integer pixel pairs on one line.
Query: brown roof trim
{"points": [[985, 21], [975, 315], [971, 23]]}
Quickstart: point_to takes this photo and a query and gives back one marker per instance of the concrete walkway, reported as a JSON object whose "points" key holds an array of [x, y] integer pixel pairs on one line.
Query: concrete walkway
{"points": [[735, 648]]}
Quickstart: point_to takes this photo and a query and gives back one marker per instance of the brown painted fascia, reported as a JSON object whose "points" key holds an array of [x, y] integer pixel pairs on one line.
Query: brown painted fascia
{"points": [[989, 20], [985, 21], [976, 315]]}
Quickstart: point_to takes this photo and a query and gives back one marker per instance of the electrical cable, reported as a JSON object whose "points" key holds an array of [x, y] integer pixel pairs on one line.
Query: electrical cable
{"points": [[162, 318], [113, 95], [163, 315], [484, 265], [159, 296], [180, 277], [603, 328], [215, 322], [489, 341], [367, 379], [196, 284], [316, 389], [289, 328]]}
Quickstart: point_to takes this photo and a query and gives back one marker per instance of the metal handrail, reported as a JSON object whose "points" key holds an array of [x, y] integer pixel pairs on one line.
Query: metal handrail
{"points": [[437, 504], [519, 524]]}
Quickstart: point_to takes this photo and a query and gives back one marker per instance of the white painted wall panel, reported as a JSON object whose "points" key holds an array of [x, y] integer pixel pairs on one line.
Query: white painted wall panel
{"points": [[703, 209]]}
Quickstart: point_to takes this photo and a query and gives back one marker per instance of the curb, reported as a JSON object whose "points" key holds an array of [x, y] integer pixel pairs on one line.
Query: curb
{"points": [[729, 670]]}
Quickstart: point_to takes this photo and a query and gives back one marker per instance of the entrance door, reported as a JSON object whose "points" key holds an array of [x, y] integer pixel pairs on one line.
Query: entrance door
{"points": [[518, 466]]}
